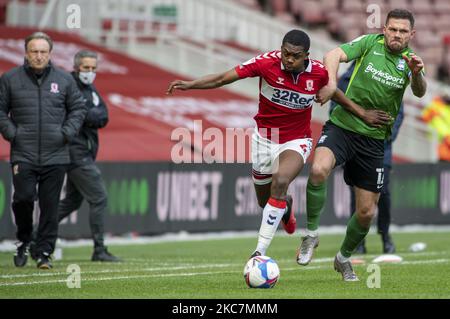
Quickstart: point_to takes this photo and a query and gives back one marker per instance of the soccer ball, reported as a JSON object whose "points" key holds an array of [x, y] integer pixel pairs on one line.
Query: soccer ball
{"points": [[261, 272]]}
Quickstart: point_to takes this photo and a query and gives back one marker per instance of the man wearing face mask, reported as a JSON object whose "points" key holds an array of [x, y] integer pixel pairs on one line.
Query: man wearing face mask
{"points": [[41, 111], [84, 179]]}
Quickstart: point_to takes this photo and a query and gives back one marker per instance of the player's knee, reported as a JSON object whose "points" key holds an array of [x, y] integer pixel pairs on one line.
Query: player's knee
{"points": [[366, 213], [319, 173], [280, 185]]}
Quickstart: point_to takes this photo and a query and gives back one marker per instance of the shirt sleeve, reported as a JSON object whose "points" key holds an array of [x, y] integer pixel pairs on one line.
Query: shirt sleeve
{"points": [[249, 69], [325, 78], [357, 47]]}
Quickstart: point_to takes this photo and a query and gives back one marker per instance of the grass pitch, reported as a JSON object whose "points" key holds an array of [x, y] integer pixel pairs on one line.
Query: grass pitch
{"points": [[213, 269]]}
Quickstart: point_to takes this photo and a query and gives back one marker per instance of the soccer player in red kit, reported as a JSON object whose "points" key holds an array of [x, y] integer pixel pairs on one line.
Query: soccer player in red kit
{"points": [[281, 142]]}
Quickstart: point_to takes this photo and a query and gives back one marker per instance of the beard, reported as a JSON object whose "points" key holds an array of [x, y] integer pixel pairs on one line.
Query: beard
{"points": [[397, 46]]}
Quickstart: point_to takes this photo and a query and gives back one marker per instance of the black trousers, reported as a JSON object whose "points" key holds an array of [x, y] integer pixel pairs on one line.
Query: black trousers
{"points": [[49, 180], [384, 204], [85, 182]]}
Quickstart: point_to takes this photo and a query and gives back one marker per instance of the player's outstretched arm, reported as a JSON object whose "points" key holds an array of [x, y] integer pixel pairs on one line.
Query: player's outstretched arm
{"points": [[211, 81], [331, 61], [375, 118], [418, 83]]}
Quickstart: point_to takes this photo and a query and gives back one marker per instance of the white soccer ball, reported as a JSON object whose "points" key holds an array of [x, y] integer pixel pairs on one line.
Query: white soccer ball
{"points": [[261, 272]]}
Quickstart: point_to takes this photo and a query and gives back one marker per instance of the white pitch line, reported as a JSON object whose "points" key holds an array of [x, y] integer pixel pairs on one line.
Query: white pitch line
{"points": [[27, 283], [412, 262], [105, 271], [143, 261], [368, 256], [189, 266]]}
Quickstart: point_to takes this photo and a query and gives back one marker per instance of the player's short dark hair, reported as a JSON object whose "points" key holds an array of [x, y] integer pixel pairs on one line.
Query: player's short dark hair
{"points": [[39, 35], [401, 14], [297, 38]]}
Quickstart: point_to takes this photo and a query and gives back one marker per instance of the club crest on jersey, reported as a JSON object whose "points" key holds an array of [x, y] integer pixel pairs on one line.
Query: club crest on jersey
{"points": [[309, 85], [401, 64], [54, 88], [280, 80]]}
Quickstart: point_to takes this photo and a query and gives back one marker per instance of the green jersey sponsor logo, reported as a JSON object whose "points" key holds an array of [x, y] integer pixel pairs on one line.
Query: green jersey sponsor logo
{"points": [[385, 77]]}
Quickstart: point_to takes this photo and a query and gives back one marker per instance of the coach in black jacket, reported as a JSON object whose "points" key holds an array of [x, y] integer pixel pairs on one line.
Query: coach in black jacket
{"points": [[41, 111], [84, 180]]}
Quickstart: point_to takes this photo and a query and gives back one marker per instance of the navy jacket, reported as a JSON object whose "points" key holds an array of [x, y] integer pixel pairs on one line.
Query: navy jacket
{"points": [[84, 147], [39, 116]]}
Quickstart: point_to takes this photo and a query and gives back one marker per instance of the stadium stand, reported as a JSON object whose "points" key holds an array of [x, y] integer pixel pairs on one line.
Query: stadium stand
{"points": [[140, 115], [193, 37], [346, 19]]}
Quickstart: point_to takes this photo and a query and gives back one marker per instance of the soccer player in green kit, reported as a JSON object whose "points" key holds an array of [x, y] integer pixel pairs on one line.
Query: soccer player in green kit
{"points": [[385, 66]]}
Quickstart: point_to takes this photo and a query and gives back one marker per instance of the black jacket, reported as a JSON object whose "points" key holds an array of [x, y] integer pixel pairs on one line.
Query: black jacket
{"points": [[39, 116], [84, 147]]}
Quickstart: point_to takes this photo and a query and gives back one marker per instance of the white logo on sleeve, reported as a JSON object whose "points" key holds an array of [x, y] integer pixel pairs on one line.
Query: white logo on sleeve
{"points": [[252, 60], [357, 39]]}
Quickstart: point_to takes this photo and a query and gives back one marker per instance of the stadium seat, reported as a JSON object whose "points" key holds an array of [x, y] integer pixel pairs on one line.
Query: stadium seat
{"points": [[328, 5], [421, 6], [424, 22], [398, 4], [279, 6], [353, 6], [441, 23], [309, 11], [442, 7]]}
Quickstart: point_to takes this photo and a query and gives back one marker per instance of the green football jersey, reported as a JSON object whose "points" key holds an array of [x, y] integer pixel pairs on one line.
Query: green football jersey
{"points": [[378, 82]]}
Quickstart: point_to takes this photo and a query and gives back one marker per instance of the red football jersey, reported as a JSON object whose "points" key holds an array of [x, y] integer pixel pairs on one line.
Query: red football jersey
{"points": [[285, 99]]}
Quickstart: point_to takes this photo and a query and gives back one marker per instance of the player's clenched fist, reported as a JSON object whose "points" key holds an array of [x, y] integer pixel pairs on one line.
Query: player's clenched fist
{"points": [[415, 63], [325, 93]]}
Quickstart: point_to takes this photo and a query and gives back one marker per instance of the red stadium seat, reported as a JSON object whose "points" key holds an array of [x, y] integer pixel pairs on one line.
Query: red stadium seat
{"points": [[424, 21], [279, 6], [311, 12], [421, 6], [442, 7], [353, 6], [327, 5], [398, 4]]}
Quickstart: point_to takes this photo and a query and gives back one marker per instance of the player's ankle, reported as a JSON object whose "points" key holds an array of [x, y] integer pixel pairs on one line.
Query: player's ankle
{"points": [[342, 258], [311, 233]]}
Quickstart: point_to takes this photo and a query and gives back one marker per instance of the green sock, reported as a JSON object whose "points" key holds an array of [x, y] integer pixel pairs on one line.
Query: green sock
{"points": [[315, 200], [354, 235]]}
